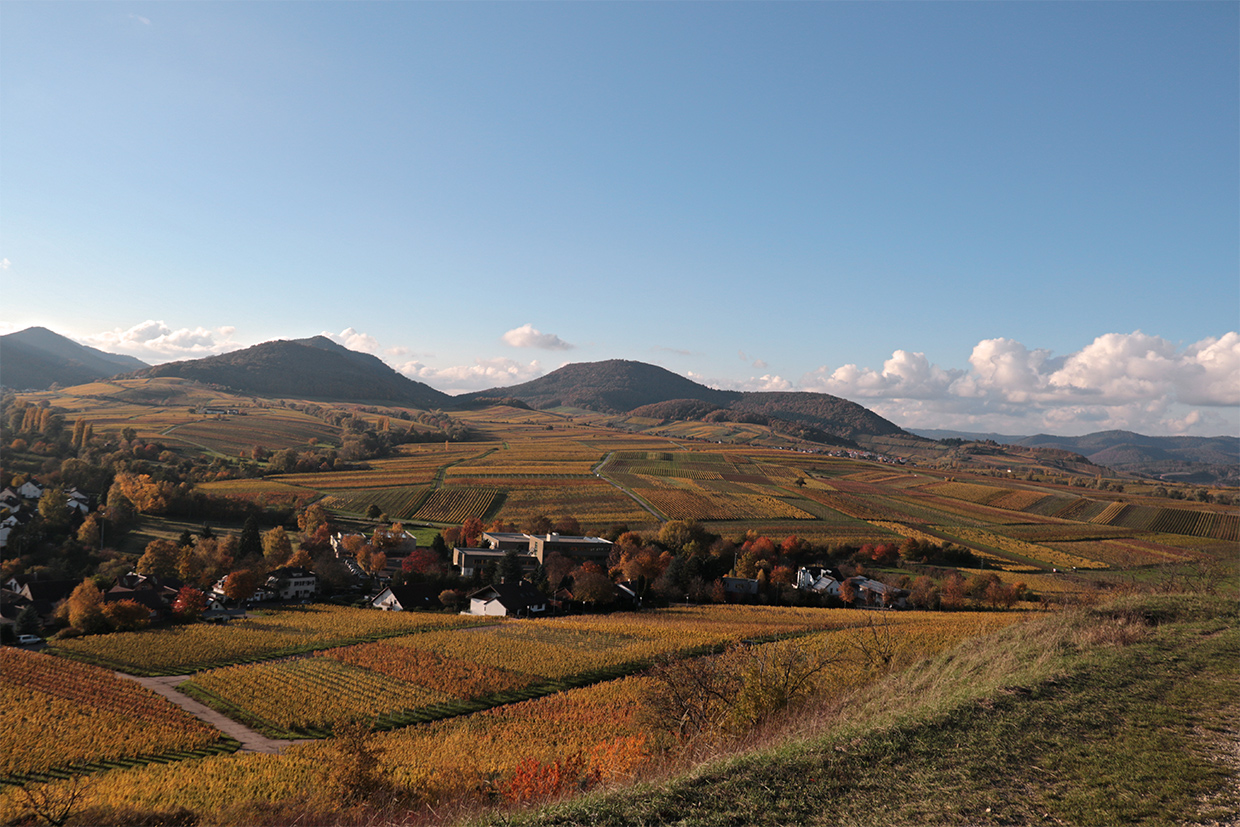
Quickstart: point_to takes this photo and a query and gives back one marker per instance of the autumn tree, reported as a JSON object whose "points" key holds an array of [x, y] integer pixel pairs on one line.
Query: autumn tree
{"points": [[314, 517], [86, 608], [277, 547], [848, 592], [126, 615], [590, 585], [301, 559], [190, 603], [160, 559], [240, 585], [471, 531], [356, 772], [422, 561], [953, 592], [89, 533]]}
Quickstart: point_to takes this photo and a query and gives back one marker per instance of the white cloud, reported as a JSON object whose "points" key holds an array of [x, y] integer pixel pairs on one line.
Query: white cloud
{"points": [[156, 341], [528, 336], [483, 374], [354, 340], [905, 375], [1127, 381], [143, 20], [5, 264]]}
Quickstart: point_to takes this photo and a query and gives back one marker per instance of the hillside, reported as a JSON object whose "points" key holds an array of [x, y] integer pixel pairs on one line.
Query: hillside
{"points": [[1182, 458], [315, 368], [613, 386], [36, 358], [623, 387], [1123, 714]]}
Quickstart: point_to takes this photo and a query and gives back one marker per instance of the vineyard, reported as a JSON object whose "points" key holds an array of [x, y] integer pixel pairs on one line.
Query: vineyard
{"points": [[456, 504], [58, 713], [396, 503], [593, 734], [184, 649]]}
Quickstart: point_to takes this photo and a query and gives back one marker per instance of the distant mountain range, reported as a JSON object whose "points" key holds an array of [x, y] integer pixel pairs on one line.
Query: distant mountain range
{"points": [[318, 368], [618, 386], [314, 368], [36, 358], [1182, 458]]}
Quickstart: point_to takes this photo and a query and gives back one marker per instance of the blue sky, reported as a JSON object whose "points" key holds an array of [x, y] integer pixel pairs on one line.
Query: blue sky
{"points": [[1011, 217]]}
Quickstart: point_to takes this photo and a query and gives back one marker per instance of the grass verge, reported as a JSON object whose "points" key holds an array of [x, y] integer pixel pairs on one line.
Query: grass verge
{"points": [[1121, 714]]}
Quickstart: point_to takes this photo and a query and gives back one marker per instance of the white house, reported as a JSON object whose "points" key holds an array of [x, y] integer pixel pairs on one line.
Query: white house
{"points": [[508, 600]]}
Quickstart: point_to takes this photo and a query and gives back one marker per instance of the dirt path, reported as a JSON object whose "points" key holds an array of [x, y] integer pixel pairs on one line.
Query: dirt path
{"points": [[251, 741]]}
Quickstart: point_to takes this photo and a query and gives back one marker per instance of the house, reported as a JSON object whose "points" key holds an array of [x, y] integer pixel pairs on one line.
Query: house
{"points": [[470, 560], [508, 600], [818, 579], [31, 490], [407, 598], [742, 586], [874, 593], [581, 548], [285, 583], [292, 583], [532, 550]]}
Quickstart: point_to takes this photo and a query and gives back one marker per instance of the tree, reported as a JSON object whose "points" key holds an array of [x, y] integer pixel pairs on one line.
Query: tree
{"points": [[356, 771], [451, 598], [471, 531], [54, 508], [240, 585], [89, 533], [251, 541], [422, 561], [277, 547], [301, 559], [126, 615], [509, 570], [86, 608], [567, 526], [953, 591], [27, 621], [592, 586], [160, 559], [189, 604], [538, 524], [309, 521]]}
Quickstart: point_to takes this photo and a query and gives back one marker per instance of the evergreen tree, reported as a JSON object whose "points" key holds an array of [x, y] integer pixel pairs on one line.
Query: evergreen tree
{"points": [[251, 541]]}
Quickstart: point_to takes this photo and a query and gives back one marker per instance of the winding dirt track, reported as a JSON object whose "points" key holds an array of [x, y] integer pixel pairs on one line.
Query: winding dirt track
{"points": [[251, 741]]}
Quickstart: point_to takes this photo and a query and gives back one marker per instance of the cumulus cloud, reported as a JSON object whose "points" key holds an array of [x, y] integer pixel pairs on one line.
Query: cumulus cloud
{"points": [[1128, 381], [5, 264], [528, 336], [905, 375], [354, 340], [156, 341], [482, 374]]}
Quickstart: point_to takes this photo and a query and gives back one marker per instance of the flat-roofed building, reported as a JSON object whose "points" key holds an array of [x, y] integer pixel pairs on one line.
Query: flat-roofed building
{"points": [[469, 560]]}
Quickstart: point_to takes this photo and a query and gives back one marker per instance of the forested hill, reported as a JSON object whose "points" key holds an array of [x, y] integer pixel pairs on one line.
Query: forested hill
{"points": [[315, 368], [36, 358], [623, 387], [615, 386], [1186, 458]]}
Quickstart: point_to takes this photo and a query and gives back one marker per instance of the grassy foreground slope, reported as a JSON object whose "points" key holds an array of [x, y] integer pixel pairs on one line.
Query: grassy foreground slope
{"points": [[1126, 713]]}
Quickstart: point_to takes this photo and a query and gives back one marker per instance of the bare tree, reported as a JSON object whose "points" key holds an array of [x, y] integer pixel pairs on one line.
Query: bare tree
{"points": [[53, 803]]}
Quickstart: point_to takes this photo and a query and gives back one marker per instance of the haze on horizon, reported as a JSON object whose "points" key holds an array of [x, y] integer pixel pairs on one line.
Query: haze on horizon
{"points": [[1014, 218]]}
